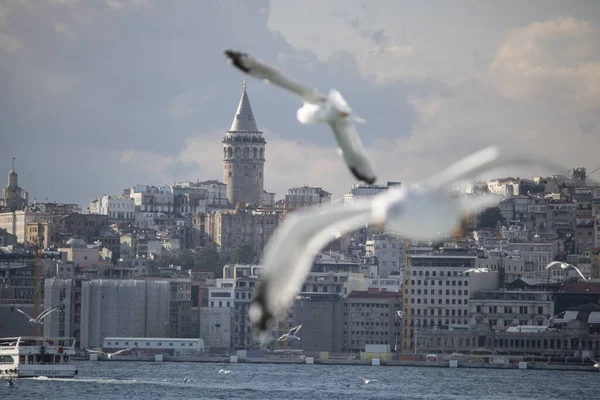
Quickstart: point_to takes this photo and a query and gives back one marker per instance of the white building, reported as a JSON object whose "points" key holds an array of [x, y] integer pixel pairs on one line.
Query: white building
{"points": [[217, 192], [496, 260], [306, 196], [361, 192], [388, 253], [223, 294], [153, 198], [539, 254], [440, 294], [149, 346], [390, 284], [216, 327], [506, 308], [115, 207]]}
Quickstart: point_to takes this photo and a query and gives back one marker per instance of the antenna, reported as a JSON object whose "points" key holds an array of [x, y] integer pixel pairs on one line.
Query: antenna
{"points": [[585, 176], [13, 163]]}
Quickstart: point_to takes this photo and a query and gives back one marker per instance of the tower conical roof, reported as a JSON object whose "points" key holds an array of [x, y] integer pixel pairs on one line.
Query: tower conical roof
{"points": [[244, 118]]}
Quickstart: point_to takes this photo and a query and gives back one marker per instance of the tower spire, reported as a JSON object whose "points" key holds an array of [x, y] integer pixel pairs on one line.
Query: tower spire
{"points": [[244, 118], [13, 160]]}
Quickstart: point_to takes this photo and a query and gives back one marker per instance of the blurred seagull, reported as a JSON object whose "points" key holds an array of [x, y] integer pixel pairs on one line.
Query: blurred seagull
{"points": [[475, 270], [332, 110], [564, 265], [111, 355], [421, 213], [186, 380], [224, 371], [291, 334], [38, 320], [368, 380]]}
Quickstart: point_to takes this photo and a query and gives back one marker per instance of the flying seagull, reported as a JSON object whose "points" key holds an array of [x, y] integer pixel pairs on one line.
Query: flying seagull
{"points": [[186, 380], [423, 213], [291, 334], [368, 380], [475, 271], [318, 108], [111, 355], [38, 320], [224, 371], [564, 265]]}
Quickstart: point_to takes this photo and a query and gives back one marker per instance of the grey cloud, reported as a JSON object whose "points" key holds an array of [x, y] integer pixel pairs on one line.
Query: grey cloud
{"points": [[150, 77], [183, 168]]}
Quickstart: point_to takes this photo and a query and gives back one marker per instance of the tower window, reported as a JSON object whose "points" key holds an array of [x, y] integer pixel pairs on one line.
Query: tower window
{"points": [[230, 174], [260, 175]]}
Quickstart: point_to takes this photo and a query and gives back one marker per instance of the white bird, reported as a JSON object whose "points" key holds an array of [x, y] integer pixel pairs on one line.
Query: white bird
{"points": [[224, 371], [564, 265], [38, 320], [421, 214], [400, 314], [475, 271], [332, 110], [186, 380], [111, 355], [291, 334], [368, 380]]}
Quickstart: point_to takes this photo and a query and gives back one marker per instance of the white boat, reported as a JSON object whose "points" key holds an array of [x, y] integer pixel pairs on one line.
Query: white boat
{"points": [[32, 356]]}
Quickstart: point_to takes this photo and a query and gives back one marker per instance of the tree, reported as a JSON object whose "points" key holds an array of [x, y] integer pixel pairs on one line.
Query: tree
{"points": [[176, 257], [490, 218], [207, 259], [244, 254]]}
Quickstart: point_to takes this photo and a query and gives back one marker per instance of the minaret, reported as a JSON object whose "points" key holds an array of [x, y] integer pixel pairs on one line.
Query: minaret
{"points": [[244, 156]]}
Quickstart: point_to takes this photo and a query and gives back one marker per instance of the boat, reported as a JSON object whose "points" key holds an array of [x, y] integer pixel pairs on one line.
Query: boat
{"points": [[34, 356]]}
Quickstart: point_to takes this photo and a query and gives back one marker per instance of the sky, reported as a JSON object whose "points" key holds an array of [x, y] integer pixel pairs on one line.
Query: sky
{"points": [[98, 96]]}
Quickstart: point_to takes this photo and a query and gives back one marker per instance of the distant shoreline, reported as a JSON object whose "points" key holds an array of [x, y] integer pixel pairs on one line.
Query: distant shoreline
{"points": [[383, 363]]}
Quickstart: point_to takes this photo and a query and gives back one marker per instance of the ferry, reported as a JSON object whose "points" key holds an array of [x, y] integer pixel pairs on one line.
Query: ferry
{"points": [[33, 356]]}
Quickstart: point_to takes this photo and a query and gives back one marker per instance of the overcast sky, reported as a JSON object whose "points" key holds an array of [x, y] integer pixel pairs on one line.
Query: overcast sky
{"points": [[97, 96]]}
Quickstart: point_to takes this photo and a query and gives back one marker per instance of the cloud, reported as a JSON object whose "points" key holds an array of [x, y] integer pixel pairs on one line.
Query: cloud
{"points": [[387, 64], [557, 60], [142, 93]]}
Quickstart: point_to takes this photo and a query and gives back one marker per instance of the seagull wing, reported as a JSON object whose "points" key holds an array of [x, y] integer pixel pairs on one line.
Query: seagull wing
{"points": [[579, 272], [482, 161], [45, 313], [476, 204], [552, 264], [24, 313], [123, 351], [290, 253], [260, 70], [353, 151]]}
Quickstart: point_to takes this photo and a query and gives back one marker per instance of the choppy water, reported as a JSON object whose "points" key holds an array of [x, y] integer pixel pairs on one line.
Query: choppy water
{"points": [[146, 380]]}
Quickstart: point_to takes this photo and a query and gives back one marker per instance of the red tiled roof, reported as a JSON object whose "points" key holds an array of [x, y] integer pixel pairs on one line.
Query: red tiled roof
{"points": [[580, 288]]}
